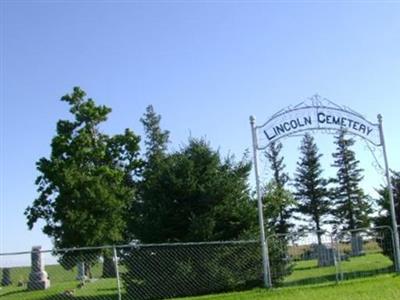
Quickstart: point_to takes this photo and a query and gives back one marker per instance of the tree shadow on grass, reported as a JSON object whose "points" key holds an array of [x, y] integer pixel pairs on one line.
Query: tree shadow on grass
{"points": [[12, 293], [21, 294], [108, 290], [305, 268], [369, 273], [310, 280], [88, 297]]}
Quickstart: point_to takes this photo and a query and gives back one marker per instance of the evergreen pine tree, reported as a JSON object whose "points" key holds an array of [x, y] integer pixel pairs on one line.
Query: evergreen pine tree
{"points": [[156, 144], [156, 139], [277, 165], [311, 192], [384, 204], [351, 206], [277, 199], [384, 218]]}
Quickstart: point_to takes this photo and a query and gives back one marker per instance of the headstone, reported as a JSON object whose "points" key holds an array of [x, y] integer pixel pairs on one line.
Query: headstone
{"points": [[38, 278], [6, 277], [326, 256], [109, 270], [311, 253], [81, 276], [356, 245]]}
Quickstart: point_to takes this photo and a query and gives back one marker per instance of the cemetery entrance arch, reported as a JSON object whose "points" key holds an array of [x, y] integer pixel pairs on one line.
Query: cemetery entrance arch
{"points": [[316, 114]]}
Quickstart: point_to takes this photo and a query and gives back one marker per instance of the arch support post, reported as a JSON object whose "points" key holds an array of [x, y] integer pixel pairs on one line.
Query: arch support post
{"points": [[263, 240], [391, 199]]}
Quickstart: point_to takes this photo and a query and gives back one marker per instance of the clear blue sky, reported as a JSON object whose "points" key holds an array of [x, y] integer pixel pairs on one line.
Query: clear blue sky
{"points": [[205, 66]]}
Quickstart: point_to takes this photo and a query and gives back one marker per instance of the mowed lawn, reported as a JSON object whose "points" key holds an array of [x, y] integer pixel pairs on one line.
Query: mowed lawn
{"points": [[321, 283], [306, 272], [383, 287]]}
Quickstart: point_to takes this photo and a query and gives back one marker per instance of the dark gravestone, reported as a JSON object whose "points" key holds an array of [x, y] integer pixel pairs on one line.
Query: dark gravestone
{"points": [[326, 256], [81, 276], [38, 279], [356, 245], [311, 253], [109, 269], [6, 277]]}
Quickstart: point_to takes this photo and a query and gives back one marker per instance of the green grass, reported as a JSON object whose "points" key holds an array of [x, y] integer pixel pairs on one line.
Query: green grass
{"points": [[384, 287], [55, 272], [305, 272], [61, 280], [101, 289]]}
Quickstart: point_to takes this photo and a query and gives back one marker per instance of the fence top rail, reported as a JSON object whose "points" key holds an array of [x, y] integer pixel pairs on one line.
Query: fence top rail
{"points": [[134, 245], [190, 244], [140, 245], [365, 229], [60, 250], [300, 233]]}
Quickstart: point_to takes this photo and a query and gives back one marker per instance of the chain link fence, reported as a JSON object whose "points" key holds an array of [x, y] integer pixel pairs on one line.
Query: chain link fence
{"points": [[162, 271], [321, 257], [132, 271], [311, 258], [167, 271], [85, 273], [365, 252]]}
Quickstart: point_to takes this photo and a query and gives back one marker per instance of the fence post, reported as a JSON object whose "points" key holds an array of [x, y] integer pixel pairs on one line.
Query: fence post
{"points": [[117, 270], [391, 199], [337, 239], [394, 248], [336, 256]]}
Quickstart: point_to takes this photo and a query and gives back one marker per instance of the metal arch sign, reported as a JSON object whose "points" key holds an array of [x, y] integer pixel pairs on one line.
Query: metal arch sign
{"points": [[320, 114], [315, 117]]}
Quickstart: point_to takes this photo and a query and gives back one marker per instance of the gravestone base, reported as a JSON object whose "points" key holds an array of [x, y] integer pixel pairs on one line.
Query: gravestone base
{"points": [[38, 285], [38, 281]]}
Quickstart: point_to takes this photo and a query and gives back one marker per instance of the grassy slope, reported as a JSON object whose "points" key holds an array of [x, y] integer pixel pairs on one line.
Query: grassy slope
{"points": [[385, 287], [104, 289], [61, 281]]}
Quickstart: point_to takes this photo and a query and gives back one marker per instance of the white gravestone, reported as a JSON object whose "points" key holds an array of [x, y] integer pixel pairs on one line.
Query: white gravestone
{"points": [[38, 278]]}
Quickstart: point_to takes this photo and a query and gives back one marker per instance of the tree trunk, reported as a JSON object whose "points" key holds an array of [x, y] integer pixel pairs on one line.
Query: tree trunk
{"points": [[318, 233], [319, 238]]}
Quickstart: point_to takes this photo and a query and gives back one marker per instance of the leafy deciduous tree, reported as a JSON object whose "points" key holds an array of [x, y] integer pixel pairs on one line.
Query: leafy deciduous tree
{"points": [[86, 185]]}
